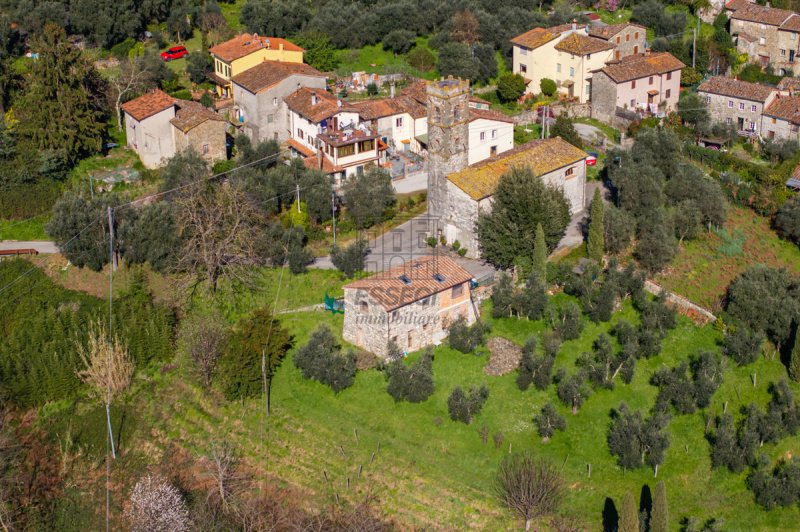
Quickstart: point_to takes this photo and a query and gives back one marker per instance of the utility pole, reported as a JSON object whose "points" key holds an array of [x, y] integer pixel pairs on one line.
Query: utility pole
{"points": [[333, 214], [110, 323], [297, 191]]}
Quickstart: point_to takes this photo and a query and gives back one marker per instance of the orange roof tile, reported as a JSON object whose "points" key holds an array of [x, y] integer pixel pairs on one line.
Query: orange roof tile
{"points": [[761, 15], [609, 31], [268, 73], [191, 114], [640, 66], [535, 38], [578, 44], [302, 103], [785, 108], [736, 88], [480, 180], [791, 24], [246, 44], [392, 292], [488, 114], [148, 104], [305, 151]]}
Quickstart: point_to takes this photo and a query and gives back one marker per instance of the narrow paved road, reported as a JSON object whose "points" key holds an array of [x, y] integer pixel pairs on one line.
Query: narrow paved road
{"points": [[414, 183], [42, 246]]}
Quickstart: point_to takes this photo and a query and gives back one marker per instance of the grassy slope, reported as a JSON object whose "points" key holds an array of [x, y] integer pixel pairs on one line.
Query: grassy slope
{"points": [[374, 59], [435, 472], [30, 229], [702, 270]]}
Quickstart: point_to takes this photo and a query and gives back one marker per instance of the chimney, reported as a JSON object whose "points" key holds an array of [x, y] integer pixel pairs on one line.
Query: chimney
{"points": [[280, 46], [391, 90], [574, 24], [313, 98], [647, 52], [339, 102]]}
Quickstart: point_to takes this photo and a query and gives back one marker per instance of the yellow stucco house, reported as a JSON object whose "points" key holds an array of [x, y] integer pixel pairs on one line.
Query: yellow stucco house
{"points": [[246, 51]]}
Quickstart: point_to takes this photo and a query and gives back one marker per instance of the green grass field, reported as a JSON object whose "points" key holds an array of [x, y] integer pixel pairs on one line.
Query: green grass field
{"points": [[431, 472], [374, 59], [30, 229]]}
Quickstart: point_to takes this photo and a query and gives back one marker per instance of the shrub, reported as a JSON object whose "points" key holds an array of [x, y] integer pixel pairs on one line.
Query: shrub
{"points": [[548, 86], [321, 359], [464, 405], [534, 369], [742, 345], [548, 421], [411, 383], [421, 59], [466, 338], [462, 252], [351, 259], [779, 487], [510, 87], [431, 241]]}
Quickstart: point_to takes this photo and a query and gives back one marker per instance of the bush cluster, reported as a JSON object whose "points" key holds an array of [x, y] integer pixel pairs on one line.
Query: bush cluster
{"points": [[466, 338], [411, 383], [463, 406], [322, 359]]}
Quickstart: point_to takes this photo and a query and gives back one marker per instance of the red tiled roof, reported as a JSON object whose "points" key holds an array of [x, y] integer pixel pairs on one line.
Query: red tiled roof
{"points": [[736, 88], [268, 73], [392, 292], [305, 151], [789, 84], [302, 103], [328, 167], [535, 38], [733, 5], [761, 14], [488, 114], [374, 109], [578, 44], [785, 108], [245, 44], [191, 114], [148, 104], [791, 24], [417, 90], [640, 66]]}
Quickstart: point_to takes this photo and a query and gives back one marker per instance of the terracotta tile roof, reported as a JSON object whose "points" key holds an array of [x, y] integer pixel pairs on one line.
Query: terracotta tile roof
{"points": [[789, 84], [302, 103], [796, 172], [609, 31], [578, 44], [535, 38], [418, 91], [312, 163], [478, 99], [392, 292], [374, 109], [640, 66], [246, 44], [480, 180], [268, 73], [736, 88], [791, 24], [761, 14], [305, 151], [785, 108], [191, 114], [148, 104], [733, 5], [488, 114]]}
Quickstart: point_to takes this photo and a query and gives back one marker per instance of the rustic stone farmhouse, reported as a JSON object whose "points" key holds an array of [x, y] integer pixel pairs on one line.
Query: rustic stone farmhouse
{"points": [[570, 53], [738, 103], [647, 82], [766, 34], [465, 194], [411, 305], [781, 119], [158, 126]]}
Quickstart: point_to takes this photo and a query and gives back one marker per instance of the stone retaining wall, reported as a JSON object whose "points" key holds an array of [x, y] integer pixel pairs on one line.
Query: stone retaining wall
{"points": [[695, 312]]}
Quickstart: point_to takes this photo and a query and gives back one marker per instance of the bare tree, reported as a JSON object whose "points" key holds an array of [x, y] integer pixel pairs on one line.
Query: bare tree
{"points": [[217, 225], [108, 367], [155, 505], [222, 461], [204, 337], [133, 76], [528, 486]]}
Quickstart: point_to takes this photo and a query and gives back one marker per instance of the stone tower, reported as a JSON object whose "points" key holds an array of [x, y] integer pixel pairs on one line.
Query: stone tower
{"points": [[448, 137]]}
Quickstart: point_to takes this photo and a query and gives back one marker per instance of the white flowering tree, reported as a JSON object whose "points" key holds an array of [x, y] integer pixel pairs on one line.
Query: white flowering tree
{"points": [[156, 506]]}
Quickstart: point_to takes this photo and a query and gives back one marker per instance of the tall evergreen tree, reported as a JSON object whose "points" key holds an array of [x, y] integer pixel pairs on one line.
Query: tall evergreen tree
{"points": [[540, 253], [659, 518], [595, 245], [61, 108], [629, 517], [794, 359]]}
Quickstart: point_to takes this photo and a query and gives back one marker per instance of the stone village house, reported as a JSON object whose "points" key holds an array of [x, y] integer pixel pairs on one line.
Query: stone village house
{"points": [[458, 192], [736, 102], [649, 82], [158, 126], [769, 36], [412, 305]]}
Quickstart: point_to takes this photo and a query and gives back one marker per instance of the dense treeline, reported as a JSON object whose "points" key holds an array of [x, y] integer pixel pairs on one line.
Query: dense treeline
{"points": [[42, 325]]}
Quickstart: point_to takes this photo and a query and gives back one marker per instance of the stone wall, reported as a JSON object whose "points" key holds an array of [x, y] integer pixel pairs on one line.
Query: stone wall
{"points": [[210, 133], [571, 110], [604, 97], [779, 129], [695, 312], [719, 111], [632, 40]]}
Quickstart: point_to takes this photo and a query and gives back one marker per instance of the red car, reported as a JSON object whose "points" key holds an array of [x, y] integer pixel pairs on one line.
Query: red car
{"points": [[176, 52]]}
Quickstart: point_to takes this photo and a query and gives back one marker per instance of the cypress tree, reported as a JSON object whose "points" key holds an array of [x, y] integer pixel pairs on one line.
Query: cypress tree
{"points": [[540, 254], [595, 245], [629, 516], [794, 359], [659, 518]]}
